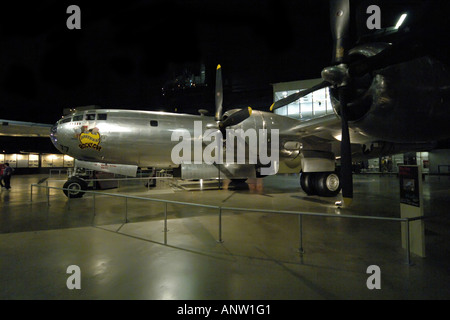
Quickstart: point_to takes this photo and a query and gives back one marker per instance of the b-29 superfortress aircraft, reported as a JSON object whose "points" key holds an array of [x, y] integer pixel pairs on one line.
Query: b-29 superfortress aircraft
{"points": [[389, 94]]}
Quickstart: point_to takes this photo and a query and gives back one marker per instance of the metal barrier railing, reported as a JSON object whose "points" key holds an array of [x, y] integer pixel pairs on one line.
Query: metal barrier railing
{"points": [[148, 179], [223, 208], [128, 179], [59, 171]]}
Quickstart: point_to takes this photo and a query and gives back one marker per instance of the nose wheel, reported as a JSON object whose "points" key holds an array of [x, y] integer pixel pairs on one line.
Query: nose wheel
{"points": [[74, 187]]}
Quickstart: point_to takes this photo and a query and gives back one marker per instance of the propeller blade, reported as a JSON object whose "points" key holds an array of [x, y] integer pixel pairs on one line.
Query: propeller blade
{"points": [[346, 152], [293, 97], [235, 118], [219, 94], [340, 21], [394, 54]]}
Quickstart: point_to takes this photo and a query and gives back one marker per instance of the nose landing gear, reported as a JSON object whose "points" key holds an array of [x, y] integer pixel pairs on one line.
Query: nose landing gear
{"points": [[75, 187]]}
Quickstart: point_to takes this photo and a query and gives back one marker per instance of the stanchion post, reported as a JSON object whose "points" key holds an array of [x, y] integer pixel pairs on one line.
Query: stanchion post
{"points": [[300, 228], [48, 194], [126, 210], [165, 222], [408, 251], [220, 226], [68, 200]]}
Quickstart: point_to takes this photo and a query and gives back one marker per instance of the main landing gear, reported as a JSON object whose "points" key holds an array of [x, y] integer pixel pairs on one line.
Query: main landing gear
{"points": [[323, 184]]}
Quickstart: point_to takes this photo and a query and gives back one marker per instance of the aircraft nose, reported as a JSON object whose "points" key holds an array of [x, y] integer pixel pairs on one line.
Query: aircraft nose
{"points": [[54, 129], [54, 135]]}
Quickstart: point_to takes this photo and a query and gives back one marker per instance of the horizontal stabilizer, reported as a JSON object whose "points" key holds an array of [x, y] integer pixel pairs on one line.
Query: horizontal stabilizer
{"points": [[12, 128]]}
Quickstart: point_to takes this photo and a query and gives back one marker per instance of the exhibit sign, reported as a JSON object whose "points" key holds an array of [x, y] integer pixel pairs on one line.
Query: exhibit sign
{"points": [[411, 206], [409, 185]]}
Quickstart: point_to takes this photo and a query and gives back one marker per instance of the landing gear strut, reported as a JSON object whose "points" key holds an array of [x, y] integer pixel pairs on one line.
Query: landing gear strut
{"points": [[323, 184]]}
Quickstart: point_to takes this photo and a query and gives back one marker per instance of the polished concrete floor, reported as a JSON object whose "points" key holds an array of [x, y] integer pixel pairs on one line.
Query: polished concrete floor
{"points": [[258, 258]]}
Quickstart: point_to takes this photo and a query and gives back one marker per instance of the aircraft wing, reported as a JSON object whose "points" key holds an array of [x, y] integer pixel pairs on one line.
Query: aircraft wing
{"points": [[314, 126], [13, 128], [328, 128]]}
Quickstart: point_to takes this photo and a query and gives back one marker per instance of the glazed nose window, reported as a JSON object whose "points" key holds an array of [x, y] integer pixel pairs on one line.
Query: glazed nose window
{"points": [[78, 118]]}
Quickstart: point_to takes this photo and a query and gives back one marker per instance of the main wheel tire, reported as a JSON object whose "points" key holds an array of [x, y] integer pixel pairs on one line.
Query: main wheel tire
{"points": [[307, 183], [327, 184], [76, 187]]}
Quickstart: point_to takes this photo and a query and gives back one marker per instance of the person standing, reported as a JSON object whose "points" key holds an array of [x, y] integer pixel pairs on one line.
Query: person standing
{"points": [[2, 167], [7, 173]]}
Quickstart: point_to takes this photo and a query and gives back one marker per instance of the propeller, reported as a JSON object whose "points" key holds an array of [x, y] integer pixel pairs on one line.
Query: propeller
{"points": [[235, 118], [230, 119], [338, 77], [346, 150], [219, 93], [340, 21], [341, 74], [402, 51]]}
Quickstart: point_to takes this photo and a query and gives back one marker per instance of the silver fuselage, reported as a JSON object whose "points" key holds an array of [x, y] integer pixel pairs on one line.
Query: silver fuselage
{"points": [[144, 138]]}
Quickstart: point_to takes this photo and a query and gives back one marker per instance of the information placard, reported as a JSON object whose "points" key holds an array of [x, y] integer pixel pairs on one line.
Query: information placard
{"points": [[411, 206], [409, 185]]}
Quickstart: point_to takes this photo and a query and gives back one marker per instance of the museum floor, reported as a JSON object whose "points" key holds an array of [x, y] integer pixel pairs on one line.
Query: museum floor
{"points": [[258, 258]]}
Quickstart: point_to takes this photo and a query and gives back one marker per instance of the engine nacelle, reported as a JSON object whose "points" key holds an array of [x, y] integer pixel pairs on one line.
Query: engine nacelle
{"points": [[403, 103]]}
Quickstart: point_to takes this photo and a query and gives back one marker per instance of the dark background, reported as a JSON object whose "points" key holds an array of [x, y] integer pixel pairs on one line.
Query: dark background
{"points": [[126, 51]]}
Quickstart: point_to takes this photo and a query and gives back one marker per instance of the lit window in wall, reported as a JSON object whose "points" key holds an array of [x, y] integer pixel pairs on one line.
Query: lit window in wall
{"points": [[311, 106], [306, 107], [282, 111], [68, 161], [33, 161], [58, 160], [11, 159], [320, 102], [52, 160], [47, 161], [22, 161], [423, 159], [329, 105], [2, 158], [294, 109], [278, 96]]}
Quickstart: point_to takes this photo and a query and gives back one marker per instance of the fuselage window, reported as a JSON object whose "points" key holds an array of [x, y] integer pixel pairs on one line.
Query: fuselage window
{"points": [[78, 118], [65, 120], [90, 116], [153, 123], [101, 116]]}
